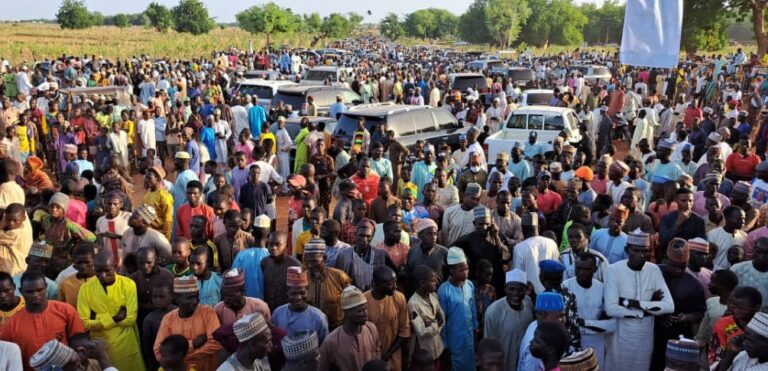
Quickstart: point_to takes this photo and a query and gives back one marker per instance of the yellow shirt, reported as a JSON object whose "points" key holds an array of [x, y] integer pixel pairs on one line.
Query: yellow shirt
{"points": [[301, 240], [162, 201], [130, 128], [123, 336], [25, 142], [69, 288], [5, 316]]}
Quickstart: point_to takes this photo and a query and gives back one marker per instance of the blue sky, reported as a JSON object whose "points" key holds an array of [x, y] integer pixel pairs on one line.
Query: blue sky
{"points": [[224, 11]]}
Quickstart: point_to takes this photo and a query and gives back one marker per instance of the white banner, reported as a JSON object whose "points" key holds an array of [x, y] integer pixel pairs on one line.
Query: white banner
{"points": [[652, 31]]}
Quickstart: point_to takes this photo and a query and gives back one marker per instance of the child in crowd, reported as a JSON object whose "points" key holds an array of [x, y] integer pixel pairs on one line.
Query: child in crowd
{"points": [[180, 252]]}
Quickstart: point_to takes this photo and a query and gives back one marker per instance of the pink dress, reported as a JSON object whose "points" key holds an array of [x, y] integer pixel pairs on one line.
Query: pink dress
{"points": [[247, 148], [76, 211]]}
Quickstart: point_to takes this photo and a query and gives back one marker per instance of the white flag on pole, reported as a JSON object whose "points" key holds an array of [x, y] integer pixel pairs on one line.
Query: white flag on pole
{"points": [[652, 31]]}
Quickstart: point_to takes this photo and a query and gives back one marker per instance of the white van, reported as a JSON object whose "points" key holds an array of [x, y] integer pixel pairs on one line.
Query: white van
{"points": [[548, 122], [264, 89]]}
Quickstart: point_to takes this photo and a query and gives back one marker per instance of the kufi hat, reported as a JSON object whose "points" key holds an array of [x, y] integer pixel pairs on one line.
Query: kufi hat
{"points": [[473, 189], [713, 176], [296, 277], [549, 301], [519, 145], [250, 326], [299, 345], [687, 147], [551, 266], [352, 297], [638, 238], [516, 276], [233, 278], [481, 212], [502, 156], [185, 285], [678, 251], [759, 324], [425, 223], [530, 219], [619, 166], [682, 354], [585, 360], [742, 187], [456, 256], [555, 167], [70, 148], [715, 137], [585, 173], [262, 221], [708, 110], [60, 199], [41, 249], [183, 155], [53, 355], [315, 246], [147, 213], [699, 244]]}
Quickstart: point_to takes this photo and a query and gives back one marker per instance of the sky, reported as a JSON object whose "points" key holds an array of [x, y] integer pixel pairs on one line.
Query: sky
{"points": [[224, 11]]}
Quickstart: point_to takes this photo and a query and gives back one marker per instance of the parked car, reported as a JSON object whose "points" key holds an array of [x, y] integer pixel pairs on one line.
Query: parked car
{"points": [[536, 97], [264, 89], [409, 123], [460, 82], [547, 121], [320, 74], [593, 73], [521, 75], [324, 96], [484, 64]]}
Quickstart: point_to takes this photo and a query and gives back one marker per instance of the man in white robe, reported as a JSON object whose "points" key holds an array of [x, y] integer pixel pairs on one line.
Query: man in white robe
{"points": [[635, 292], [507, 319], [458, 220], [528, 253], [589, 298]]}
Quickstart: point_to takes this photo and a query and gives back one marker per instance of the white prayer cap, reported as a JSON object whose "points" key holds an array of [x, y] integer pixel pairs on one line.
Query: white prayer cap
{"points": [[516, 276], [456, 256]]}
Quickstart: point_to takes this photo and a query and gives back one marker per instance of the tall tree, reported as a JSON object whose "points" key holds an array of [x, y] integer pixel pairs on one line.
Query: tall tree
{"points": [[472, 26], [74, 15], [355, 20], [391, 27], [505, 18], [705, 24], [159, 16], [334, 26], [554, 21], [756, 10], [269, 19], [605, 24], [122, 20], [312, 22], [191, 16], [421, 23]]}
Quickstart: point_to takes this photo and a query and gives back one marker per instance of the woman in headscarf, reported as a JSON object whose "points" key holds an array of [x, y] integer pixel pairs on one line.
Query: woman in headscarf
{"points": [[60, 231], [35, 179]]}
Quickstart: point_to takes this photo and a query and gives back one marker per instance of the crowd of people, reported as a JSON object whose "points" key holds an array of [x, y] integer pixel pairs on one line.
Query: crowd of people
{"points": [[644, 246]]}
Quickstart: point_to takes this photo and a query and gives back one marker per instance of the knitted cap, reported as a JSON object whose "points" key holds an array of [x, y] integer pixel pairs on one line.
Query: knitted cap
{"points": [[185, 285], [52, 355], [481, 212], [682, 353], [60, 199], [502, 156], [549, 301], [248, 327], [315, 246], [41, 249], [352, 297], [70, 148], [147, 213], [233, 278], [296, 277], [638, 238], [159, 171], [715, 137], [299, 345], [666, 143], [556, 167]]}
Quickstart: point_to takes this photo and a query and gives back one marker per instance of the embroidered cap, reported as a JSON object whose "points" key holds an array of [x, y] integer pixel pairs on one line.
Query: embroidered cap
{"points": [[678, 251], [638, 238], [699, 244], [147, 213], [297, 277], [185, 285], [315, 246], [425, 223], [682, 354], [183, 155], [352, 297], [456, 256], [41, 249], [262, 221], [299, 345], [250, 326], [233, 278], [481, 212], [52, 355]]}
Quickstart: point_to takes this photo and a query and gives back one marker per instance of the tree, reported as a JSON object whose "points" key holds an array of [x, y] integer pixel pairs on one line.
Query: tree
{"points": [[391, 27], [122, 20], [74, 15], [554, 21], [354, 20], [755, 9], [312, 22], [268, 19], [421, 23], [705, 24], [97, 19], [447, 23], [334, 26], [605, 24], [159, 17], [472, 23], [191, 16], [504, 19]]}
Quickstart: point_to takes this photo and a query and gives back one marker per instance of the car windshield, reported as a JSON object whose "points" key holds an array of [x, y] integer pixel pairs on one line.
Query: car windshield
{"points": [[495, 64], [463, 82], [315, 75], [521, 75], [601, 71], [263, 92], [538, 98], [348, 125], [295, 100]]}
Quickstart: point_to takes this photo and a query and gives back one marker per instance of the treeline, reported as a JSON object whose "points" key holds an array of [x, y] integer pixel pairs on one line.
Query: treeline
{"points": [[503, 23]]}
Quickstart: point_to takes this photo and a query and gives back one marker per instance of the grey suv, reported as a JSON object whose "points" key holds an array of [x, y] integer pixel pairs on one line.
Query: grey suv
{"points": [[324, 97]]}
